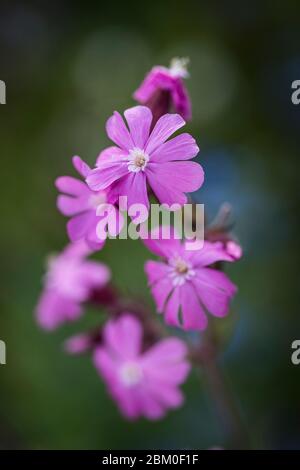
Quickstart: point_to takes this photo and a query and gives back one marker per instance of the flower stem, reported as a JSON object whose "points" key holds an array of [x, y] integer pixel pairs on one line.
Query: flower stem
{"points": [[227, 410]]}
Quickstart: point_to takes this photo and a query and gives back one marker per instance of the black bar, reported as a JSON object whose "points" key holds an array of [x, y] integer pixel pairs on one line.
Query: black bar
{"points": [[136, 458]]}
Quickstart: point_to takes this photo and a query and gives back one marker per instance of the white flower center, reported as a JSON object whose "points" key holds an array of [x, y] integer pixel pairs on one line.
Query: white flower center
{"points": [[137, 160], [130, 374], [180, 271], [178, 67]]}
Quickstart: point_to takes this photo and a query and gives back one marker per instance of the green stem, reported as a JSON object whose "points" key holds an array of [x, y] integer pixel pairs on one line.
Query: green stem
{"points": [[227, 410]]}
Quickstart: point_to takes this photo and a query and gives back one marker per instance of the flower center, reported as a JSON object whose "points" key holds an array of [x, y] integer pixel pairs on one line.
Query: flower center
{"points": [[181, 267], [130, 374], [180, 271], [140, 161], [137, 160]]}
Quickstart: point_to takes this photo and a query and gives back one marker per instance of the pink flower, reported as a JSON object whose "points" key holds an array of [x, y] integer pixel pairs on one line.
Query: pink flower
{"points": [[84, 206], [163, 90], [142, 383], [186, 280], [69, 281], [143, 158]]}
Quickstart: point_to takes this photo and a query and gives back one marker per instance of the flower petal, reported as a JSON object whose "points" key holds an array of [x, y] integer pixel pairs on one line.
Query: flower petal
{"points": [[79, 225], [234, 249], [139, 120], [181, 147], [155, 271], [118, 132], [128, 403], [91, 236], [169, 181], [71, 186], [124, 336], [168, 352], [156, 79], [105, 365], [110, 153], [160, 292], [163, 129], [215, 290], [182, 102], [210, 253], [163, 241], [168, 396], [134, 186], [193, 315], [94, 274], [172, 309], [106, 173], [53, 310], [149, 406], [82, 167], [186, 177], [165, 191], [70, 205], [78, 249], [93, 241]]}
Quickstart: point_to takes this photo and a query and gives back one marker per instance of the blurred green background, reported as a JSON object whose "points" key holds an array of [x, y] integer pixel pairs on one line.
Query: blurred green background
{"points": [[66, 68]]}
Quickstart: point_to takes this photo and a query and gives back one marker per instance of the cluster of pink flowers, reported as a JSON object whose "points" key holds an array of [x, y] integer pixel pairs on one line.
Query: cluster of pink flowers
{"points": [[141, 364]]}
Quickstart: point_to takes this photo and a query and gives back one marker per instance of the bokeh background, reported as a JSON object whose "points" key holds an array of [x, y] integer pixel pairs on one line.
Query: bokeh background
{"points": [[66, 68]]}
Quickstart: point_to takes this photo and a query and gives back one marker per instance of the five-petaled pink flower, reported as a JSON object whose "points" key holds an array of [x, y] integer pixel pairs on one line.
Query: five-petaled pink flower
{"points": [[163, 90], [142, 383], [85, 207], [69, 282], [186, 281], [143, 158]]}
